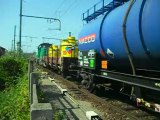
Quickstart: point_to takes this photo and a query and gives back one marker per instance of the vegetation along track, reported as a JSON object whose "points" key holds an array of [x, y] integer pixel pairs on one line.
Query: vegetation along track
{"points": [[112, 108]]}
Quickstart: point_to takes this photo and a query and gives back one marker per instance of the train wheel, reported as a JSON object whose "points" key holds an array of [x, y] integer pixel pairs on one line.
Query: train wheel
{"points": [[59, 71], [63, 74], [78, 77], [91, 86], [84, 82]]}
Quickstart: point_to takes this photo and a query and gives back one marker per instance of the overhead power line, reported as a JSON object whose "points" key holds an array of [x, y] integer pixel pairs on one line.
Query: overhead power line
{"points": [[69, 8], [28, 36], [52, 38], [58, 8], [60, 5]]}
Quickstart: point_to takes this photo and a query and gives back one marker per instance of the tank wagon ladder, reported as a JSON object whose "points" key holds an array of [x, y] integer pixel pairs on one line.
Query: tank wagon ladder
{"points": [[95, 11]]}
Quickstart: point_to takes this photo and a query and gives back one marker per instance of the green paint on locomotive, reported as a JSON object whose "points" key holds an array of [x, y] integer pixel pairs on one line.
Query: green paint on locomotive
{"points": [[42, 50]]}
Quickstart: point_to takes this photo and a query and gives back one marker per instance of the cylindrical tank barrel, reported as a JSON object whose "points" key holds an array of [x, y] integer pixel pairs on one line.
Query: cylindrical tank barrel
{"points": [[105, 35]]}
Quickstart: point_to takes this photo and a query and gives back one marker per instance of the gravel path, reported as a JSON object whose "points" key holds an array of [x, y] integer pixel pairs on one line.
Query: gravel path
{"points": [[62, 103]]}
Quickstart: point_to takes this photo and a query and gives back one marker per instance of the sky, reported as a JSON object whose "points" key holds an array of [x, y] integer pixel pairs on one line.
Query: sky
{"points": [[68, 11]]}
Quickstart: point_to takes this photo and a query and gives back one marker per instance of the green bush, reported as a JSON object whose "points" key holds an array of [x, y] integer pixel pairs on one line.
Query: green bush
{"points": [[11, 69]]}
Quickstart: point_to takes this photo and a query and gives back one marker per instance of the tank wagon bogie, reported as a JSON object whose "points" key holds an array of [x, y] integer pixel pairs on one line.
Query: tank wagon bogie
{"points": [[118, 44]]}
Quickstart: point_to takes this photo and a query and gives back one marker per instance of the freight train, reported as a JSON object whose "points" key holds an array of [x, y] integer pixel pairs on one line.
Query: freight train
{"points": [[118, 47], [63, 58]]}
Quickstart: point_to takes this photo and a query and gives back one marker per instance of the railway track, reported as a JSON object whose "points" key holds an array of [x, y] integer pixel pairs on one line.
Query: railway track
{"points": [[110, 107]]}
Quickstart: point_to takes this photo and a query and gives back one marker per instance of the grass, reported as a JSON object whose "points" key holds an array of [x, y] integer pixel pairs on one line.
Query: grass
{"points": [[59, 115], [15, 102]]}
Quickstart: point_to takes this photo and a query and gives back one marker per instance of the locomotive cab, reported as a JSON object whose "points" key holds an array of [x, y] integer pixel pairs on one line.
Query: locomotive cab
{"points": [[69, 55]]}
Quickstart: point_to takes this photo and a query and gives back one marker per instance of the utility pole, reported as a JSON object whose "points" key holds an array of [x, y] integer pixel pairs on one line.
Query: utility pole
{"points": [[20, 27], [14, 48], [20, 24]]}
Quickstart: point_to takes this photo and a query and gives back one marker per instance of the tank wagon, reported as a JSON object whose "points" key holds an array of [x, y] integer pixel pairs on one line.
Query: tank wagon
{"points": [[119, 46]]}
